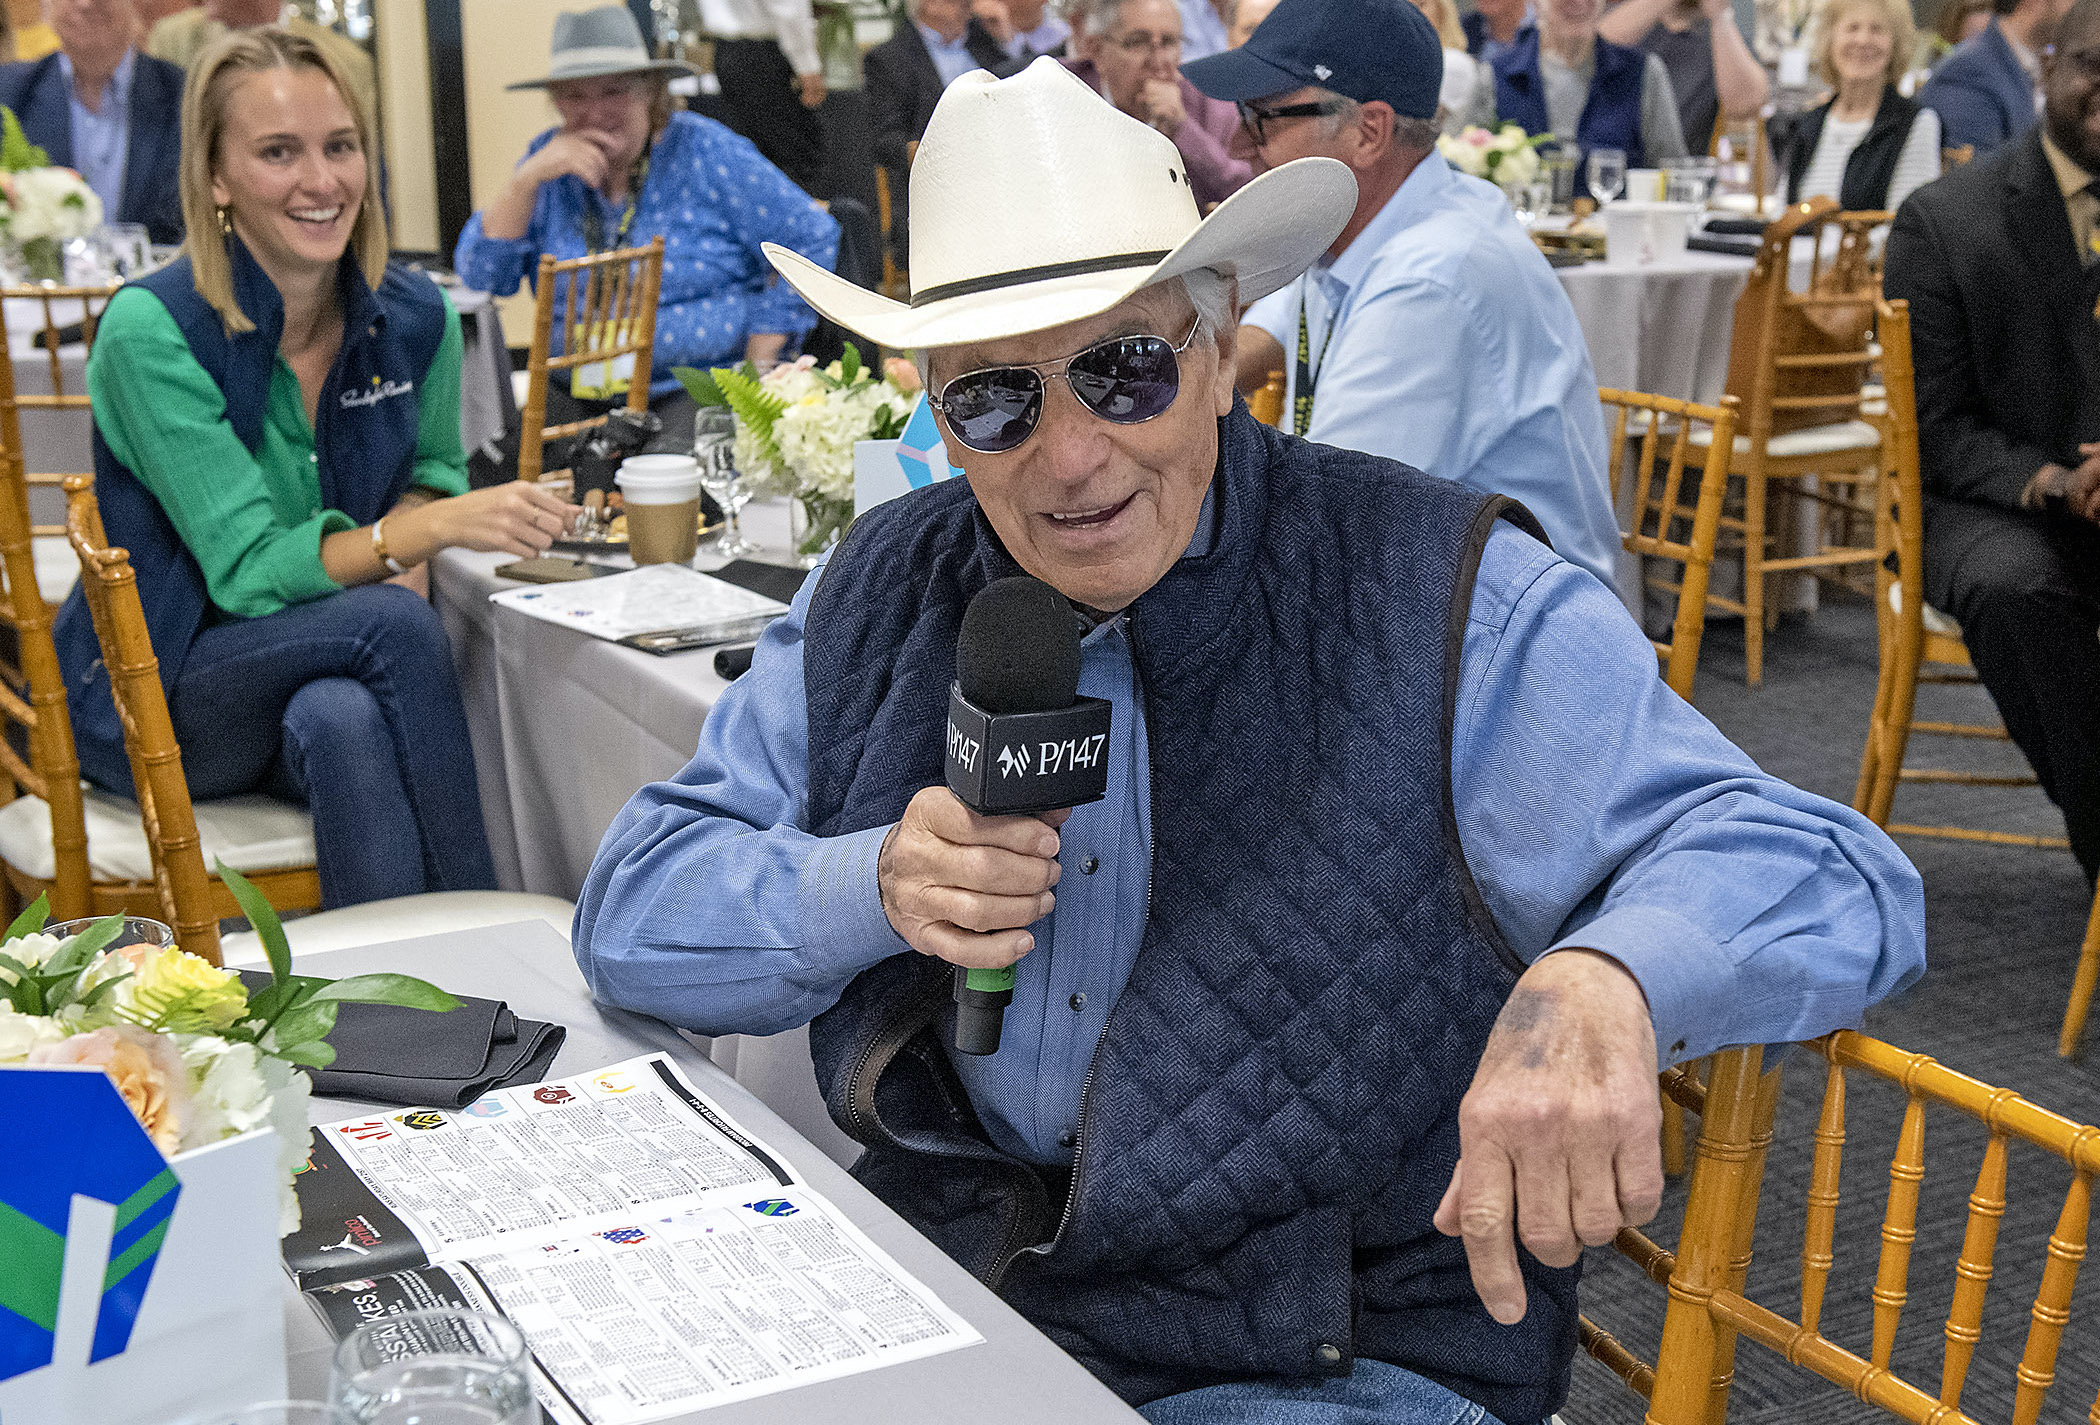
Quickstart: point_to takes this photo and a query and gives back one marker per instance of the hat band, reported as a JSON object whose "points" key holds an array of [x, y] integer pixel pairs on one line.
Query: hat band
{"points": [[1025, 275], [599, 58]]}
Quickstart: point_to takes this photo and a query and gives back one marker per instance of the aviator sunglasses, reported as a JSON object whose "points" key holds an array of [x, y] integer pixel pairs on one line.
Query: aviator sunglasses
{"points": [[1127, 379]]}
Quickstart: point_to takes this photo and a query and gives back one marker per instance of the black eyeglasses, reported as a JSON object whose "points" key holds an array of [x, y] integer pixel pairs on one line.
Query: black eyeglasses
{"points": [[1127, 379], [1253, 116]]}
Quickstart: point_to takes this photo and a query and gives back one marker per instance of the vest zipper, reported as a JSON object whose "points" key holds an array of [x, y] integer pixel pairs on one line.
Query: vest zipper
{"points": [[1086, 1085]]}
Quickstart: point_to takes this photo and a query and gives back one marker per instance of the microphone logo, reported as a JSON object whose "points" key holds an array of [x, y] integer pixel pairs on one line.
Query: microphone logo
{"points": [[1013, 762]]}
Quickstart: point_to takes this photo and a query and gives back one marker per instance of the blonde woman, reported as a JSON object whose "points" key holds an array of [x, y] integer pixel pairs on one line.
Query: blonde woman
{"points": [[1868, 146], [277, 436], [1460, 69]]}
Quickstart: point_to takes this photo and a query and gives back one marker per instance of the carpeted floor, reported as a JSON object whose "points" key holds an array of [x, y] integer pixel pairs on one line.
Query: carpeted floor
{"points": [[2003, 929]]}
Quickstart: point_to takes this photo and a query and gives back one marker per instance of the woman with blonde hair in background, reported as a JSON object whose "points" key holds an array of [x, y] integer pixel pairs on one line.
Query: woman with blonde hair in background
{"points": [[1867, 146], [1460, 68], [277, 437]]}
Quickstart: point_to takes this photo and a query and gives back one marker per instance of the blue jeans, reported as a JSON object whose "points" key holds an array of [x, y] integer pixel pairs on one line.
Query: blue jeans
{"points": [[349, 705], [1375, 1393]]}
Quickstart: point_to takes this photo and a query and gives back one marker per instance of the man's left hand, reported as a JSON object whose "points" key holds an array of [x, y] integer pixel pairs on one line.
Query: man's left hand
{"points": [[1163, 107], [811, 87], [1559, 1136]]}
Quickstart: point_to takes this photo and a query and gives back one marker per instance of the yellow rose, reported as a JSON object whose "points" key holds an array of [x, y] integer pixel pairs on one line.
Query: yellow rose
{"points": [[167, 984]]}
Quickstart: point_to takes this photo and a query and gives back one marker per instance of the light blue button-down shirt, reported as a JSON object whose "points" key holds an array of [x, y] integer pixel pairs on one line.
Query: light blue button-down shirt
{"points": [[1203, 30], [1456, 351], [102, 135], [951, 58], [1595, 808]]}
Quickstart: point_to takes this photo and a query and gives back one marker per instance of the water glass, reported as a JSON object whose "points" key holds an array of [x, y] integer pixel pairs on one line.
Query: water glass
{"points": [[437, 1367], [127, 249], [1690, 180], [1534, 200], [274, 1412], [714, 448], [136, 930], [1607, 174]]}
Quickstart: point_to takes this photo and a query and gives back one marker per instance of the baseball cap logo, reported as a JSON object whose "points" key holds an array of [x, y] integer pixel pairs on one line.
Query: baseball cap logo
{"points": [[1322, 72]]}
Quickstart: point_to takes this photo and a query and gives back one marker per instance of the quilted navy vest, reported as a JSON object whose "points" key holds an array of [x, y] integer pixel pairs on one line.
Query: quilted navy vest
{"points": [[365, 449], [1611, 117], [1271, 1114]]}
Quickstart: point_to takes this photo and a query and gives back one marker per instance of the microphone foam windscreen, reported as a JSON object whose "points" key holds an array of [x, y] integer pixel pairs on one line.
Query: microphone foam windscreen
{"points": [[1019, 648]]}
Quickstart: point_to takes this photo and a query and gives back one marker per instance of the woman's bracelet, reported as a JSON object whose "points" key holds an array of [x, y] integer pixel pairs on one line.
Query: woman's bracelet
{"points": [[393, 565]]}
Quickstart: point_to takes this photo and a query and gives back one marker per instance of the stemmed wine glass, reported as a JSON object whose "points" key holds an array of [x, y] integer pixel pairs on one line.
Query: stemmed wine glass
{"points": [[1607, 174], [714, 451]]}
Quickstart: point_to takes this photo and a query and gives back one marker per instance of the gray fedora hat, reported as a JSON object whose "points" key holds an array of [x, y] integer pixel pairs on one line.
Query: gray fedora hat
{"points": [[591, 43]]}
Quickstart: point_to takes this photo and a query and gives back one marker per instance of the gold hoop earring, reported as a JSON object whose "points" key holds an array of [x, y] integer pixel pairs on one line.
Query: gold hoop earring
{"points": [[225, 222]]}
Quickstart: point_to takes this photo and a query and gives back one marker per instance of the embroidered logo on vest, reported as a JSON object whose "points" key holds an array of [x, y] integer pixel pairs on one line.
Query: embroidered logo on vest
{"points": [[378, 391]]}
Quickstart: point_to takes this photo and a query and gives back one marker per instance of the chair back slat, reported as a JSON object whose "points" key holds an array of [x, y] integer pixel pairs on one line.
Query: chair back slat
{"points": [[1820, 1227], [1658, 523], [149, 733], [1972, 1269], [1899, 1230], [1799, 356], [607, 303], [2052, 1303]]}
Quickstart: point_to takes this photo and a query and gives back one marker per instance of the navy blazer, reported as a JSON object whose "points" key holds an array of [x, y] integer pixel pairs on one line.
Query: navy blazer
{"points": [[1981, 93], [36, 91]]}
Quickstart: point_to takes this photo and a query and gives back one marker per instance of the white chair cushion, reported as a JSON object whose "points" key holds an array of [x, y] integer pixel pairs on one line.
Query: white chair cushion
{"points": [[1933, 619], [57, 567], [403, 918], [1815, 440], [249, 833]]}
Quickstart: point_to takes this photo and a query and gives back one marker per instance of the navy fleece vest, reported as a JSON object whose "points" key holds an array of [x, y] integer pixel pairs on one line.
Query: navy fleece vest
{"points": [[1611, 116], [1869, 168], [365, 449], [1271, 1116]]}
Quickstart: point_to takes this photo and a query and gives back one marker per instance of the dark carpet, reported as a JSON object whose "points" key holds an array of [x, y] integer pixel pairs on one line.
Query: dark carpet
{"points": [[2003, 926]]}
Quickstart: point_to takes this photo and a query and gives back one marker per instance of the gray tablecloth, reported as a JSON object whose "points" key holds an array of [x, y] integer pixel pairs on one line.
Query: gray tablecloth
{"points": [[1016, 1376], [1662, 329]]}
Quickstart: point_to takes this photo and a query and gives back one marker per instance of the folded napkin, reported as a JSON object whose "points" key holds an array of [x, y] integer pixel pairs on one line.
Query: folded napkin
{"points": [[387, 1054]]}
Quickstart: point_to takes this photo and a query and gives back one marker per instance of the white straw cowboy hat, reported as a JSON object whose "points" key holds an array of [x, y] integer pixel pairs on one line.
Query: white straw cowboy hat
{"points": [[1034, 202], [589, 44]]}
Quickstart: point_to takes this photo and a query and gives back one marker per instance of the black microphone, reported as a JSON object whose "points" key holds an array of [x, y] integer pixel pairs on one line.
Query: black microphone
{"points": [[1020, 741]]}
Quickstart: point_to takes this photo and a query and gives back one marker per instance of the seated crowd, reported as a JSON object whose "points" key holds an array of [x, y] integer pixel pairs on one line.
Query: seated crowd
{"points": [[1403, 1047]]}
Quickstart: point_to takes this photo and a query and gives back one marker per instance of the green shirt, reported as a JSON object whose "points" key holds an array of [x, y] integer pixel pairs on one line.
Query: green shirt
{"points": [[253, 520]]}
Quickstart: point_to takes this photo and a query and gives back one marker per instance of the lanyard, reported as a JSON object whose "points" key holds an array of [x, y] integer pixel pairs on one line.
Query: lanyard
{"points": [[1302, 402], [594, 227]]}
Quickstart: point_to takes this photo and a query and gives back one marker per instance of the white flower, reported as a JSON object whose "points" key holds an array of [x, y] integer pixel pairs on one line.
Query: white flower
{"points": [[230, 1095], [30, 950], [22, 1033], [51, 203]]}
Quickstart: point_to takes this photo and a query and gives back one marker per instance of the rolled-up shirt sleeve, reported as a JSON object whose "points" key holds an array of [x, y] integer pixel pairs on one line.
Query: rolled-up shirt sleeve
{"points": [[709, 903], [1598, 810]]}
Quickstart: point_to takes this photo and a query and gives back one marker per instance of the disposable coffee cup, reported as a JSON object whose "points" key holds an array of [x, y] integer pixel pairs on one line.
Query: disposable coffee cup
{"points": [[662, 497]]}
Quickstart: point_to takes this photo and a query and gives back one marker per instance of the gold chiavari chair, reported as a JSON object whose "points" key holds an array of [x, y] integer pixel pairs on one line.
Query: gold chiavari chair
{"points": [[60, 313], [1798, 360], [608, 316], [1919, 644], [1266, 405], [1708, 1313]]}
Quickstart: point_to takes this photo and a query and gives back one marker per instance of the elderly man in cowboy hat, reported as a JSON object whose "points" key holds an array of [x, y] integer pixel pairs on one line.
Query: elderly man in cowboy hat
{"points": [[1336, 1020]]}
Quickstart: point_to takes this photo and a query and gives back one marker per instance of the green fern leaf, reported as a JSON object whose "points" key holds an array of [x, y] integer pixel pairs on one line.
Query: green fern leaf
{"points": [[16, 151], [755, 406]]}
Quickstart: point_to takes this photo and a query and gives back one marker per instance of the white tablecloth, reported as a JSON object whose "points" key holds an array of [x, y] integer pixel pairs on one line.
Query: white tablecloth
{"points": [[1662, 329]]}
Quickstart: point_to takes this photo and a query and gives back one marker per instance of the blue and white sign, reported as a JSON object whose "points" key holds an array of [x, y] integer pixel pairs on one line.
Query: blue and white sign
{"points": [[885, 469]]}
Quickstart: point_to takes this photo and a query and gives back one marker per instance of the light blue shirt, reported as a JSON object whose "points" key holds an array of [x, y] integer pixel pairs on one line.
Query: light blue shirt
{"points": [[1491, 47], [1441, 338], [952, 58], [1044, 38], [1595, 808], [102, 135], [1203, 30]]}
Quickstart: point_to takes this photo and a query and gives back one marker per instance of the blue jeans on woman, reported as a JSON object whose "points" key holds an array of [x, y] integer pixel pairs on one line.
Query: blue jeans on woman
{"points": [[350, 705], [1375, 1393]]}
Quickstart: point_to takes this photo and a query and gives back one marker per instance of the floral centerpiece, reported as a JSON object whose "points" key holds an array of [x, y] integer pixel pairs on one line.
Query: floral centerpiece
{"points": [[796, 426], [193, 1054], [1507, 158], [41, 205]]}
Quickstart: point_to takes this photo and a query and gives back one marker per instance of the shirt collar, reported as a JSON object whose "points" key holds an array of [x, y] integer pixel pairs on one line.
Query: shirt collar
{"points": [[935, 42], [1421, 194], [2070, 178], [2029, 60], [117, 91], [1047, 36]]}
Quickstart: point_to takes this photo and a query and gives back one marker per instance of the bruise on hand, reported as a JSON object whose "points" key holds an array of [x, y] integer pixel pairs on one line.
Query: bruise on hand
{"points": [[1535, 1032]]}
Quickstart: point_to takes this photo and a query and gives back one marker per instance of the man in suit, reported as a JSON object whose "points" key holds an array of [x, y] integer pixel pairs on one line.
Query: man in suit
{"points": [[1999, 263], [99, 106], [939, 42], [1987, 92]]}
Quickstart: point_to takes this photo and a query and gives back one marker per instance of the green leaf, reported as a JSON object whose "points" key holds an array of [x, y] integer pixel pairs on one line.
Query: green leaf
{"points": [[95, 995], [94, 940], [700, 386], [38, 914], [303, 1025], [16, 151], [404, 990], [755, 407], [294, 990], [315, 1054], [263, 916], [849, 364]]}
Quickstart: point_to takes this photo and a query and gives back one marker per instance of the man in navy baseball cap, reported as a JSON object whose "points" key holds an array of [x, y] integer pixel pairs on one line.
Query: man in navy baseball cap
{"points": [[1433, 331]]}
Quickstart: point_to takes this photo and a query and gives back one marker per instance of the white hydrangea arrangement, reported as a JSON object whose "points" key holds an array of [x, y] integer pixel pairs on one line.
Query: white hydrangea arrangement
{"points": [[797, 424], [1507, 158], [194, 1055], [41, 205]]}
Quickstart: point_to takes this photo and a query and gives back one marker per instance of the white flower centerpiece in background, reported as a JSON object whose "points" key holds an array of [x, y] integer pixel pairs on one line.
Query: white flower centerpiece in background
{"points": [[1507, 158], [194, 1055], [796, 426], [42, 206]]}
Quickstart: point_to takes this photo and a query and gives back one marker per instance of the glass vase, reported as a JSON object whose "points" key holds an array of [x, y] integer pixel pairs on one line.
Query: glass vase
{"points": [[822, 524], [40, 260]]}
